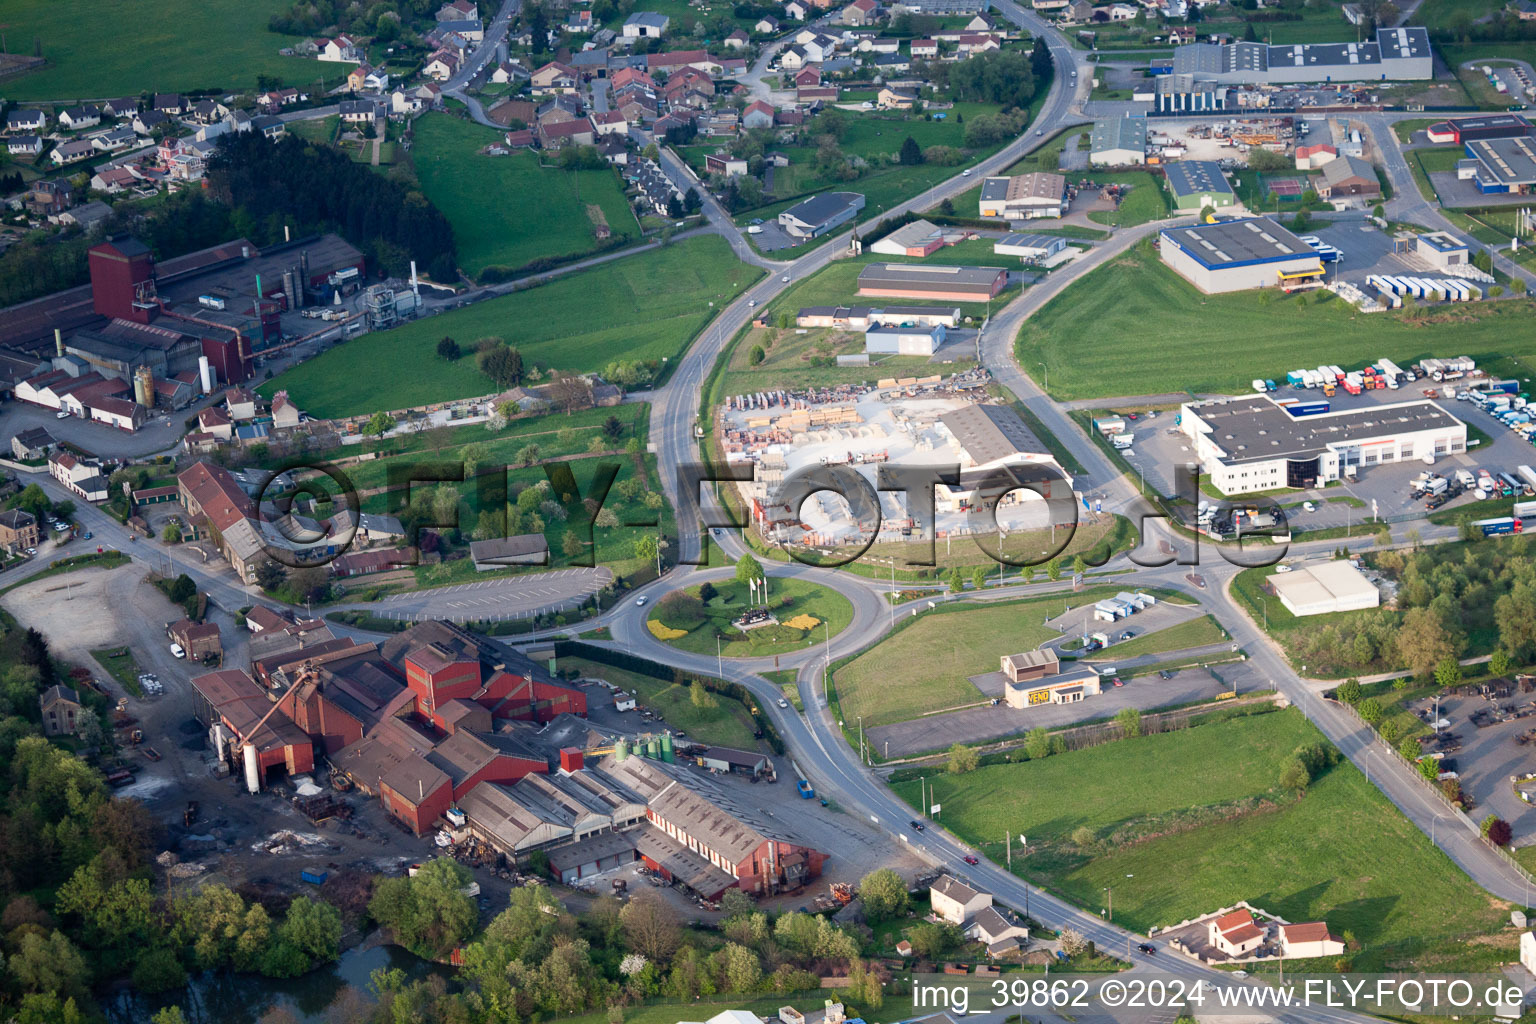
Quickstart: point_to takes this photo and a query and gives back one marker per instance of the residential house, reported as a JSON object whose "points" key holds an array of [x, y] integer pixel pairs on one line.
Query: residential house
{"points": [[557, 134], [925, 49], [805, 77], [860, 12], [955, 902], [1236, 933], [340, 48], [757, 115], [560, 108], [208, 111], [793, 58], [1525, 10], [112, 180], [285, 414], [508, 73], [215, 422], [799, 10], [892, 63], [1349, 177], [87, 216], [76, 118], [460, 34], [982, 23], [737, 40], [150, 121], [996, 929], [724, 164], [125, 107], [240, 403], [18, 530], [171, 104], [364, 114], [24, 145], [269, 125], [358, 76], [83, 479], [554, 77], [971, 44], [767, 25], [1307, 940], [32, 443], [117, 138], [610, 122], [646, 25], [442, 65], [18, 121], [678, 59], [213, 498], [819, 49], [459, 10], [502, 552], [61, 710], [580, 21], [894, 98]]}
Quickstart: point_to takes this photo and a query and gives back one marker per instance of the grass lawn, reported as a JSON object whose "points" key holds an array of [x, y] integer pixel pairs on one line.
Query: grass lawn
{"points": [[726, 724], [1194, 633], [1115, 303], [787, 599], [1177, 838], [119, 663], [507, 210], [145, 46], [1146, 201], [925, 665], [645, 306], [320, 129]]}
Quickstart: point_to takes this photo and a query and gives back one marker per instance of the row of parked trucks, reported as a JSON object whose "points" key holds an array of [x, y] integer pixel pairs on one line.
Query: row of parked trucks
{"points": [[1393, 289], [1383, 373]]}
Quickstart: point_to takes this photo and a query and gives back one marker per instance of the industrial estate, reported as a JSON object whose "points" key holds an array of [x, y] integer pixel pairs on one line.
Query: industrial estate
{"points": [[785, 513]]}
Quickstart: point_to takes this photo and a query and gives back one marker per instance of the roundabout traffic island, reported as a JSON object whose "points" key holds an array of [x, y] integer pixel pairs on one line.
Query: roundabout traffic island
{"points": [[794, 615]]}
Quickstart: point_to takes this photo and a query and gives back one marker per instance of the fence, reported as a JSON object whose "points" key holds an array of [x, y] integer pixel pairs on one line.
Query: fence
{"points": [[1457, 812]]}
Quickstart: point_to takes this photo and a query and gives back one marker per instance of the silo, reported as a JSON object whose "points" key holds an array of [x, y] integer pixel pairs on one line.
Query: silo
{"points": [[667, 754], [144, 387], [620, 749]]}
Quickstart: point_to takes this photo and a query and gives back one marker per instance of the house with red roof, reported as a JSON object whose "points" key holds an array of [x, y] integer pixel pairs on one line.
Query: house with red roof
{"points": [[1235, 933]]}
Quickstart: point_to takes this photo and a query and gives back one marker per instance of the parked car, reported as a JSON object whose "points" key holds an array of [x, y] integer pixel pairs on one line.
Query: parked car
{"points": [[1126, 635], [176, 651], [1308, 506]]}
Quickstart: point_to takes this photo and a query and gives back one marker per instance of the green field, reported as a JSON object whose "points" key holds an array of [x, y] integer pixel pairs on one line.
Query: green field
{"points": [[147, 46], [1194, 633], [507, 210], [645, 306], [1146, 201], [925, 666], [787, 599], [1183, 828], [727, 724], [1152, 331]]}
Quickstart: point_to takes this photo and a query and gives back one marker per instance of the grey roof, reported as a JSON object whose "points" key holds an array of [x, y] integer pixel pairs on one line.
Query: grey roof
{"points": [[59, 692], [521, 546], [1255, 429], [593, 848], [1344, 166], [1032, 241], [895, 275], [1227, 242], [1509, 161], [822, 208], [952, 887], [1119, 133], [649, 19], [1197, 177], [989, 432]]}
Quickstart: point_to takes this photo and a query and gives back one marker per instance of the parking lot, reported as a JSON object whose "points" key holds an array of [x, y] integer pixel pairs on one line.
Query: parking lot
{"points": [[1487, 754]]}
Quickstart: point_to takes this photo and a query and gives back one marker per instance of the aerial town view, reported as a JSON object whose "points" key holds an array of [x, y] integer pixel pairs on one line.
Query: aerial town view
{"points": [[807, 512]]}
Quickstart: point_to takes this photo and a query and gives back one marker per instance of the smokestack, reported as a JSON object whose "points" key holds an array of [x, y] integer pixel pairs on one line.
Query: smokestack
{"points": [[58, 335], [415, 285], [205, 374], [286, 236]]}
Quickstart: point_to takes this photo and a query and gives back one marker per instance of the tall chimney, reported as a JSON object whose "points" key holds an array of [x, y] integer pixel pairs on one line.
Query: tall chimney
{"points": [[58, 342]]}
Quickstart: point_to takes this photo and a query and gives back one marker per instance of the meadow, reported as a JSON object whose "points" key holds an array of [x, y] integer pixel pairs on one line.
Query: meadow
{"points": [[1182, 828], [726, 723], [1141, 316], [152, 46], [646, 306], [507, 211], [1194, 633]]}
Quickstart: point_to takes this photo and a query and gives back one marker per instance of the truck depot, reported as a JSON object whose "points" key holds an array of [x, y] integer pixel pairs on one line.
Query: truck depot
{"points": [[1255, 443]]}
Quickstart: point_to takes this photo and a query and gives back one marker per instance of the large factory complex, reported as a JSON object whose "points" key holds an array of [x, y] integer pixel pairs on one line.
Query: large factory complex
{"points": [[932, 421], [1395, 55]]}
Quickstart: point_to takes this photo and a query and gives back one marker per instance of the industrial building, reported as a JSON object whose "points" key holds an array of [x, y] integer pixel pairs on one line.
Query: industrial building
{"points": [[904, 340], [1396, 55], [1177, 94], [1024, 196], [1254, 443], [1336, 586], [1235, 255], [1501, 166], [1462, 130], [1030, 248], [1118, 142], [919, 238], [1196, 184], [1036, 677], [1349, 177], [959, 284], [1442, 249], [814, 217]]}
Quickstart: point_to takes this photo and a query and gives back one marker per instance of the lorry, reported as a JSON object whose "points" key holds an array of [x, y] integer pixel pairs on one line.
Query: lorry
{"points": [[1296, 379], [1270, 385], [1496, 527], [1465, 478], [1308, 408], [1122, 441], [1528, 474]]}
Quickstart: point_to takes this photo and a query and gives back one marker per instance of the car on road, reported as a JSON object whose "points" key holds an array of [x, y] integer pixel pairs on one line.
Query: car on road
{"points": [[1147, 948], [755, 229], [640, 601], [970, 858], [177, 652], [1040, 131], [919, 826], [785, 279], [783, 703], [751, 303], [965, 173], [1308, 506]]}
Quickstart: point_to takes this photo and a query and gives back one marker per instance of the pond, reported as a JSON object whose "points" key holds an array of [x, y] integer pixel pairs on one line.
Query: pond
{"points": [[322, 995]]}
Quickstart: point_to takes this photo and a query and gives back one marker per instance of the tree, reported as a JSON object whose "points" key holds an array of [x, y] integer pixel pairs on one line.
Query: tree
{"points": [[1409, 748], [956, 581], [1429, 768], [755, 355], [748, 570], [700, 696], [1499, 662], [613, 428], [270, 576], [1423, 641], [735, 903], [884, 895], [1448, 673], [313, 927], [650, 925], [911, 153], [1515, 615], [572, 544], [1499, 833], [645, 547], [49, 963], [1038, 743], [1079, 565], [502, 363], [1348, 691], [182, 589], [1053, 569], [1041, 64], [448, 349], [680, 610], [1294, 776], [427, 912], [171, 534], [962, 759], [379, 424], [932, 939], [1129, 721], [1083, 837], [1072, 942], [707, 592], [1370, 710]]}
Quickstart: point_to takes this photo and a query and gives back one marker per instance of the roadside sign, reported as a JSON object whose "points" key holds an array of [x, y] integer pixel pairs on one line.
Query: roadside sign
{"points": [[935, 809]]}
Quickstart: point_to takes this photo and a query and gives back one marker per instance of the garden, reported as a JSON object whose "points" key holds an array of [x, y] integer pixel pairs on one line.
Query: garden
{"points": [[799, 614]]}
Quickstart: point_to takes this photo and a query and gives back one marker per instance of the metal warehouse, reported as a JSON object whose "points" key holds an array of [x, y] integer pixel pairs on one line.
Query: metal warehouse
{"points": [[1235, 255], [1499, 166], [1029, 247], [1118, 142], [1397, 55], [904, 341], [1199, 183], [1023, 196], [962, 284], [1462, 130], [1328, 587], [1255, 444]]}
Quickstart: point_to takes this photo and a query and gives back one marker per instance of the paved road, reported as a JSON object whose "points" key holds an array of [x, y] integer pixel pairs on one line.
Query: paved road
{"points": [[479, 58]]}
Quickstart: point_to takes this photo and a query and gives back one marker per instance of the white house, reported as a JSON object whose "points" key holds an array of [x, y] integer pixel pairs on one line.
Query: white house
{"points": [[340, 48], [1236, 933], [798, 9], [1312, 939], [646, 25], [954, 901]]}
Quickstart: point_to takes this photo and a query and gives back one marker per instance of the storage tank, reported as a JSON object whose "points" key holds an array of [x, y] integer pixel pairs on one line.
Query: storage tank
{"points": [[670, 757], [252, 769], [205, 374], [620, 749], [144, 387], [652, 748]]}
